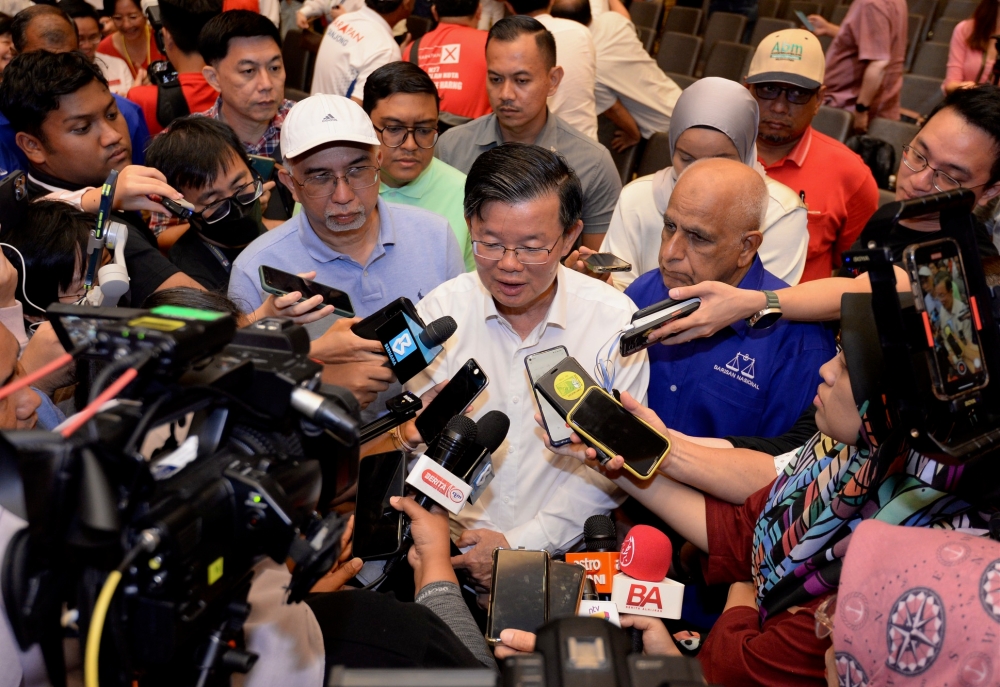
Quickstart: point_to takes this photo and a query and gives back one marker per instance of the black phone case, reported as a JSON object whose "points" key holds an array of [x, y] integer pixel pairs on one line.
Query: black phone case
{"points": [[433, 431], [368, 327], [561, 388], [635, 340], [397, 487]]}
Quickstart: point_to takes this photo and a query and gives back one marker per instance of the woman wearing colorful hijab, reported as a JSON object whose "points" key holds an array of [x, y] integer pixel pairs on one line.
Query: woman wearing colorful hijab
{"points": [[782, 550], [713, 118]]}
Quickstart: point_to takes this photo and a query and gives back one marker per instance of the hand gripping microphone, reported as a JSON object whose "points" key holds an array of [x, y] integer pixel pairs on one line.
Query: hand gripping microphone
{"points": [[601, 558], [447, 450], [642, 586]]}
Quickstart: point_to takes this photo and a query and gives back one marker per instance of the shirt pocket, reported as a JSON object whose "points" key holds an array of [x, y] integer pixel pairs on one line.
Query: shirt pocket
{"points": [[732, 411]]}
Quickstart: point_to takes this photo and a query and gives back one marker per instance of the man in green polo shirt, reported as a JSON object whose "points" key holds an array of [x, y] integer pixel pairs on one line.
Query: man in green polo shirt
{"points": [[402, 102]]}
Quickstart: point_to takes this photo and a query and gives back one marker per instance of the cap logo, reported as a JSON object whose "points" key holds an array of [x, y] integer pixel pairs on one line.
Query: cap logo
{"points": [[786, 51], [329, 118]]}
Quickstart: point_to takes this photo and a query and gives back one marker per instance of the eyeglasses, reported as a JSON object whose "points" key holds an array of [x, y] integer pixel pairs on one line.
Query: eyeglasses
{"points": [[525, 256], [794, 94], [218, 210], [325, 185], [824, 617], [916, 162], [394, 136]]}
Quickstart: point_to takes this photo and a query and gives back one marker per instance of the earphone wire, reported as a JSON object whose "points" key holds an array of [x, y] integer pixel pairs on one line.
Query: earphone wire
{"points": [[604, 367], [24, 277]]}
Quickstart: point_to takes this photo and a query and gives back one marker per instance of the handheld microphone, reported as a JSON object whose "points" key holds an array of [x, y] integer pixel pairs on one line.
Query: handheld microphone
{"points": [[601, 558], [599, 534], [408, 342], [438, 331], [643, 588], [477, 471], [447, 450], [646, 554]]}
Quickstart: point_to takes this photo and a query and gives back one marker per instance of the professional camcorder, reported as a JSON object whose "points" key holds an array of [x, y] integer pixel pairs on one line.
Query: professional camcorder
{"points": [[202, 450]]}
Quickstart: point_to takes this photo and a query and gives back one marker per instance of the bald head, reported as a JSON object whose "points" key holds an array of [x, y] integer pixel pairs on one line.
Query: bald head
{"points": [[43, 27], [712, 224]]}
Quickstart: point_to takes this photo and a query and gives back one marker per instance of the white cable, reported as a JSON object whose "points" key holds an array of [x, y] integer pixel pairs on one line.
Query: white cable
{"points": [[24, 276], [604, 368]]}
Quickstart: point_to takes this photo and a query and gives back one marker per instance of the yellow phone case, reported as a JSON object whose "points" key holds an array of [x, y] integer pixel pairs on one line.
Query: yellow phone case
{"points": [[610, 451]]}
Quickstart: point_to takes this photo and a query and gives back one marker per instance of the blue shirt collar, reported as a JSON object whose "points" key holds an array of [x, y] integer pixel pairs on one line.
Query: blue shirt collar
{"points": [[320, 252]]}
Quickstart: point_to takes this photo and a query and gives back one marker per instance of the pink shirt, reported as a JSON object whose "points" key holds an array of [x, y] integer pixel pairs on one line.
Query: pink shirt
{"points": [[965, 63], [872, 30]]}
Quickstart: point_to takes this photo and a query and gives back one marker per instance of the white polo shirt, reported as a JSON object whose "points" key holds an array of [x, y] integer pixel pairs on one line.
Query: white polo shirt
{"points": [[116, 71], [354, 45], [626, 72], [538, 500], [574, 100]]}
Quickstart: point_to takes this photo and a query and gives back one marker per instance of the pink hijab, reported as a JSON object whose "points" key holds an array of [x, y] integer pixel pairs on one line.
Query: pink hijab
{"points": [[918, 606]]}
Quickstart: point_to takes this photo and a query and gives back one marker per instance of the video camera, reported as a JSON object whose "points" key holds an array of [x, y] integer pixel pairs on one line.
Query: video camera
{"points": [[933, 352], [147, 512]]}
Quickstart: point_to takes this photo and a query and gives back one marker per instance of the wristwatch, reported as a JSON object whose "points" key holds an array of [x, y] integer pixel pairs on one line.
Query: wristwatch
{"points": [[769, 315], [858, 107]]}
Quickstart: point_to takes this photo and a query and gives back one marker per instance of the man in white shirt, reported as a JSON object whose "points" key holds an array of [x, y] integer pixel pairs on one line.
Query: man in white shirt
{"points": [[574, 100], [331, 9], [625, 71], [523, 205], [88, 30], [355, 45]]}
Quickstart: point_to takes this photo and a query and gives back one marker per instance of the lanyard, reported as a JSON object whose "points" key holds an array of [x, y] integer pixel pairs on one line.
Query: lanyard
{"points": [[223, 260]]}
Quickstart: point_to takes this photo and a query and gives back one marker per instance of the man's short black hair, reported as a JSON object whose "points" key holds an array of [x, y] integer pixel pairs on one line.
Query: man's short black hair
{"points": [[456, 8], [575, 10], [529, 6], [184, 19], [213, 43], [509, 29], [515, 173], [397, 77], [78, 9], [191, 152], [384, 6], [53, 240], [34, 81], [980, 107], [19, 27]]}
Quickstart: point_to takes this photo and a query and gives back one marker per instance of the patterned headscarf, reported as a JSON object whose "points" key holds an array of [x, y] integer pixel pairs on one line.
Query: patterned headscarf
{"points": [[918, 607]]}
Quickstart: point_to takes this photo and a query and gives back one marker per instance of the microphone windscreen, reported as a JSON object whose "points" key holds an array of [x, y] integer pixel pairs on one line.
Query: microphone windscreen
{"points": [[599, 534], [438, 331], [646, 554], [464, 426], [493, 428]]}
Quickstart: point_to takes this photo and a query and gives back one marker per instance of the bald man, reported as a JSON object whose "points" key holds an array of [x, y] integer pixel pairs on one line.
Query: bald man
{"points": [[744, 381]]}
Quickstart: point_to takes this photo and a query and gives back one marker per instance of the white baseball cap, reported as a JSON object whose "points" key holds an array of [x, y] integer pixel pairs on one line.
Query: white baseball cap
{"points": [[324, 118], [792, 56]]}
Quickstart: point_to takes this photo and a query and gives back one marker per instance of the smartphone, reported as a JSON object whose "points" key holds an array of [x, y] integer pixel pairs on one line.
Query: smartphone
{"points": [[13, 200], [463, 388], [180, 207], [652, 317], [950, 316], [279, 283], [368, 327], [538, 364], [566, 582], [805, 21], [606, 262], [378, 527], [518, 593], [264, 166], [564, 385], [605, 423]]}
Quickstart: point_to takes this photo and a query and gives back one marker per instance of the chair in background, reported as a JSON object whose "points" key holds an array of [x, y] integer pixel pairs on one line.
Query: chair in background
{"points": [[682, 80], [925, 8], [768, 8], [915, 29], [647, 37], [298, 52], [625, 161], [895, 133], [683, 20], [647, 13], [943, 28], [802, 6], [766, 26], [656, 156], [722, 26], [931, 59], [728, 60], [838, 14], [920, 94], [678, 52], [295, 95], [833, 122], [959, 9]]}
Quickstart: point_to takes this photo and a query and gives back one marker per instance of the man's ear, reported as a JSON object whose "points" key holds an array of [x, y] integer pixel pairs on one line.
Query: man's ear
{"points": [[285, 178], [820, 94], [32, 148], [212, 77], [570, 239], [749, 245], [479, 12], [989, 193], [555, 78], [434, 13], [168, 40]]}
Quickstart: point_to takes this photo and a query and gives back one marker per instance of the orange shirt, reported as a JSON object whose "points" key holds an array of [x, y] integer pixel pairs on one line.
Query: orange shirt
{"points": [[839, 192], [108, 47], [455, 58], [198, 94]]}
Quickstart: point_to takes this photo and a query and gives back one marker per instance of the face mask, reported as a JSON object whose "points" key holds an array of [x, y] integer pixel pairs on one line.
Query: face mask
{"points": [[241, 226]]}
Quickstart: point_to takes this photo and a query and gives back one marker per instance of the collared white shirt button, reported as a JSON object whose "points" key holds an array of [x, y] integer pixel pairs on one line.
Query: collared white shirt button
{"points": [[515, 399]]}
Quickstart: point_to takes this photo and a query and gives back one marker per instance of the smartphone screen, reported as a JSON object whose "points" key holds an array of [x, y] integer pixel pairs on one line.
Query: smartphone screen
{"points": [[602, 419], [378, 527], [606, 262], [957, 358], [538, 364], [264, 166], [565, 588], [274, 280], [519, 593], [805, 21], [454, 398]]}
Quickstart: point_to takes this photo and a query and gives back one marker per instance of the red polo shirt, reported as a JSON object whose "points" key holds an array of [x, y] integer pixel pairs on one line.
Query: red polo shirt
{"points": [[838, 190], [198, 94]]}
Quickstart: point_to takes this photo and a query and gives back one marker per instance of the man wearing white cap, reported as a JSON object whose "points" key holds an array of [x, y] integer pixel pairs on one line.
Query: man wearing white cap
{"points": [[786, 80], [374, 251]]}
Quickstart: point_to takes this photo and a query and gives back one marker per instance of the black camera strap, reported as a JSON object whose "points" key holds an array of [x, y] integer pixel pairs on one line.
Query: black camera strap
{"points": [[170, 102]]}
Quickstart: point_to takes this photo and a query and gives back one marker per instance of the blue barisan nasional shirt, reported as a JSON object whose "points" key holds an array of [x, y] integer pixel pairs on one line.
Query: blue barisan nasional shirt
{"points": [[741, 381]]}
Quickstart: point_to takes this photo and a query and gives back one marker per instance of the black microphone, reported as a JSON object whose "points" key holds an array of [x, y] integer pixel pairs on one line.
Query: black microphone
{"points": [[599, 534], [492, 430], [449, 447], [438, 331]]}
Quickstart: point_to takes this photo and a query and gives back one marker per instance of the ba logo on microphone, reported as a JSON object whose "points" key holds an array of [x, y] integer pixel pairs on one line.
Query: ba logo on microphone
{"points": [[434, 480], [402, 345], [639, 597]]}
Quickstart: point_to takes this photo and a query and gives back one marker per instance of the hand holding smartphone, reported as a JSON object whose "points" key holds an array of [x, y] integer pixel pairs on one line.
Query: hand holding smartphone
{"points": [[463, 388], [601, 263], [538, 364], [518, 592], [651, 318], [279, 283]]}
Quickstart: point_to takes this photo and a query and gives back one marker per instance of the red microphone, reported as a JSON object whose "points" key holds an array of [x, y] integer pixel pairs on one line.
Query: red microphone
{"points": [[642, 588]]}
